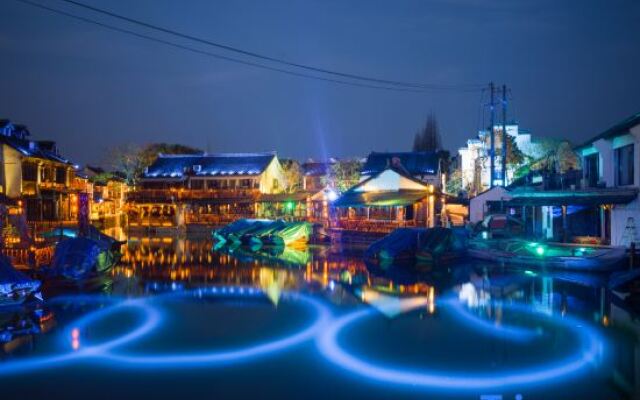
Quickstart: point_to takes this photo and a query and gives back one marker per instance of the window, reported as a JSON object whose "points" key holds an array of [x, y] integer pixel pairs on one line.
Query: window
{"points": [[197, 184], [275, 184], [591, 168], [61, 175], [213, 184], [624, 165], [29, 172], [245, 183]]}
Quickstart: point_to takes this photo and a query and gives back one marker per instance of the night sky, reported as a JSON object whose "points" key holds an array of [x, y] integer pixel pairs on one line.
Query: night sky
{"points": [[573, 68]]}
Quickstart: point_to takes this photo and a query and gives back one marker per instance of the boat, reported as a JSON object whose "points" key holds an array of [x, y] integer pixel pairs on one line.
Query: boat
{"points": [[520, 252], [294, 234], [16, 287], [421, 245], [256, 236], [235, 230], [441, 246], [83, 258]]}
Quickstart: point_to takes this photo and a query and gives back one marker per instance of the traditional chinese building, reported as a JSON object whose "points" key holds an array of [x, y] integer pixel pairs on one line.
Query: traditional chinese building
{"points": [[211, 189], [38, 177], [423, 166], [315, 175], [386, 200]]}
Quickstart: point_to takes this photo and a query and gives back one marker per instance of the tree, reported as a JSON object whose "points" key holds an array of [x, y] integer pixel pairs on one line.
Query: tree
{"points": [[428, 138], [454, 182], [566, 158], [292, 175], [554, 155], [150, 152], [131, 160], [126, 159], [344, 174], [515, 157]]}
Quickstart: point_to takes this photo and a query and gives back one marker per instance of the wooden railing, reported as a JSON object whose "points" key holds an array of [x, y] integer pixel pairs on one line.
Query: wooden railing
{"points": [[152, 195], [365, 225]]}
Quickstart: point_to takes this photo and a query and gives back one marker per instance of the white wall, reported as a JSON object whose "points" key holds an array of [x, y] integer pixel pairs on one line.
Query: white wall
{"points": [[478, 204]]}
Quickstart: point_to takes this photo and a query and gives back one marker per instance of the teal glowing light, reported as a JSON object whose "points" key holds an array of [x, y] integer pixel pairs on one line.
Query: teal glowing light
{"points": [[485, 235], [529, 272], [289, 206], [540, 250]]}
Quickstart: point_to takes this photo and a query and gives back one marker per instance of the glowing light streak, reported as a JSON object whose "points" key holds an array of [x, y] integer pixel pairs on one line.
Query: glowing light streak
{"points": [[104, 351], [320, 320], [328, 344]]}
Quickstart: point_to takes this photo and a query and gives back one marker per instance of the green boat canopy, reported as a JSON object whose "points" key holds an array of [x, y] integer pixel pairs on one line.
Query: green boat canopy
{"points": [[381, 199]]}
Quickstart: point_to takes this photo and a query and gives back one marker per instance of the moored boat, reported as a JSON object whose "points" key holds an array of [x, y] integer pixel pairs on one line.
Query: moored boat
{"points": [[235, 230], [294, 234], [256, 236], [16, 287], [525, 253], [83, 258], [421, 245]]}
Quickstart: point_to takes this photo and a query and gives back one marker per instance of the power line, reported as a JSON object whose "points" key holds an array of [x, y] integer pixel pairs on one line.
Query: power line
{"points": [[274, 59], [218, 56]]}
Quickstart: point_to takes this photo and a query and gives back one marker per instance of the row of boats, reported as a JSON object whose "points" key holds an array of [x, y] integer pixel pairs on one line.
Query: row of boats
{"points": [[441, 246], [264, 232], [78, 260]]}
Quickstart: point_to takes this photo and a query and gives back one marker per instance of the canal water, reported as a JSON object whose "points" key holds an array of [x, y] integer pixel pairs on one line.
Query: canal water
{"points": [[180, 318]]}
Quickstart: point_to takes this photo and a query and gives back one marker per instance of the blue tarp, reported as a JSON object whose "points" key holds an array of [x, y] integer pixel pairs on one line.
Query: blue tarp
{"points": [[12, 280], [78, 258], [409, 241]]}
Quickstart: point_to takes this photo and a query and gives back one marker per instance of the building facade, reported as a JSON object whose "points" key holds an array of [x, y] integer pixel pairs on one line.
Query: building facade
{"points": [[475, 161], [35, 174], [204, 189], [611, 162], [423, 166]]}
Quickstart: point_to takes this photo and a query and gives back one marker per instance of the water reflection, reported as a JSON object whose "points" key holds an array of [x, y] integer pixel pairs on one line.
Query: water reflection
{"points": [[338, 274]]}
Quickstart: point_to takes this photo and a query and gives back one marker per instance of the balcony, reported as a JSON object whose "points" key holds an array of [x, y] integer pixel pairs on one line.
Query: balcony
{"points": [[171, 196]]}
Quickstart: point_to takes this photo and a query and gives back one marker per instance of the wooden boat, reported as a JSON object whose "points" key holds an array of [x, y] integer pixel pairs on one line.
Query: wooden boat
{"points": [[525, 253], [16, 287]]}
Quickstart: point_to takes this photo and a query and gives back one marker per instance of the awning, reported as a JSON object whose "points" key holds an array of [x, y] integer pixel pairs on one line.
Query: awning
{"points": [[380, 199], [586, 197]]}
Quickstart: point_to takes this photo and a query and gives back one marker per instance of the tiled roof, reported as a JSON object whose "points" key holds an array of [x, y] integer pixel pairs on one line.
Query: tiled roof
{"points": [[316, 168], [32, 149], [415, 163], [178, 166], [619, 129]]}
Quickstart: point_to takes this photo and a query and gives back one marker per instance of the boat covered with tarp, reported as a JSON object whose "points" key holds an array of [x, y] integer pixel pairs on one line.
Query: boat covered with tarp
{"points": [[235, 230], [15, 286], [255, 236], [409, 245], [295, 233], [83, 258], [520, 252]]}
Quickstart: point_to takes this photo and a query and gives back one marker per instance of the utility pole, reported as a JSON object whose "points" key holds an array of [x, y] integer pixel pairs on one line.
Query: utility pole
{"points": [[504, 135], [492, 151]]}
